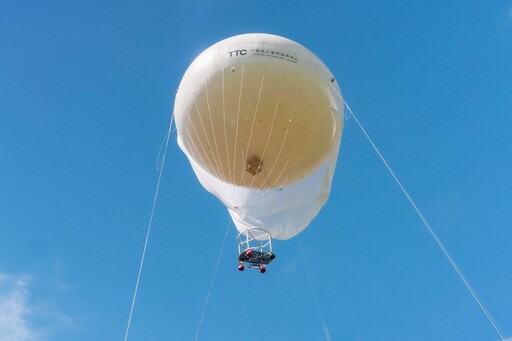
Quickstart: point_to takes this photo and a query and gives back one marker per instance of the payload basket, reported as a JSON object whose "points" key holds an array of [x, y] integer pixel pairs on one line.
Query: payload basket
{"points": [[255, 249]]}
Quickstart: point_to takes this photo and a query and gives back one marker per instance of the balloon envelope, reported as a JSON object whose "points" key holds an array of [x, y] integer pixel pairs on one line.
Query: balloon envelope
{"points": [[260, 122]]}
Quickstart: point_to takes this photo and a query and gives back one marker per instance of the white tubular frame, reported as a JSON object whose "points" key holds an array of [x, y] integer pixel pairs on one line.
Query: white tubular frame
{"points": [[254, 239]]}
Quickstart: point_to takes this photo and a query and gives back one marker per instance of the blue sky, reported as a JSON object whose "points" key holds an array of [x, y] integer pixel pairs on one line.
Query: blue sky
{"points": [[86, 93]]}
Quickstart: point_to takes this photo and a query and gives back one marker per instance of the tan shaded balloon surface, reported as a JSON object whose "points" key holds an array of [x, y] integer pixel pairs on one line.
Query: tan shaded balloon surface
{"points": [[270, 114]]}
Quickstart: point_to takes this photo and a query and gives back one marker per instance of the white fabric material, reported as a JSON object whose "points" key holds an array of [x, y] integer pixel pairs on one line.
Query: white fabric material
{"points": [[265, 97], [284, 212]]}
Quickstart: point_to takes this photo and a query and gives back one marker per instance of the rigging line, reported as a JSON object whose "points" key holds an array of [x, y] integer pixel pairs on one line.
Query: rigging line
{"points": [[207, 141], [192, 143], [250, 134], [158, 158], [242, 162], [264, 196], [255, 199], [278, 154], [252, 127], [268, 139], [267, 176], [274, 165], [429, 228], [237, 122], [255, 114], [272, 186], [225, 125], [202, 146], [148, 230], [315, 294], [212, 282], [213, 130]]}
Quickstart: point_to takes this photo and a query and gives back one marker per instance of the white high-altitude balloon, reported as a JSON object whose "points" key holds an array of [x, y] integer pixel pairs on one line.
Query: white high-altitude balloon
{"points": [[260, 122]]}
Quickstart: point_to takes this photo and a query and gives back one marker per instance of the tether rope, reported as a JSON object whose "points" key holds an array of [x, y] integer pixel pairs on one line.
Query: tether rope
{"points": [[148, 230], [315, 295], [428, 226], [212, 282]]}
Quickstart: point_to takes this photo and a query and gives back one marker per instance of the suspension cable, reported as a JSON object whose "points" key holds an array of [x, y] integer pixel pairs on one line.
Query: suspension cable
{"points": [[315, 294], [212, 282], [427, 225], [149, 229]]}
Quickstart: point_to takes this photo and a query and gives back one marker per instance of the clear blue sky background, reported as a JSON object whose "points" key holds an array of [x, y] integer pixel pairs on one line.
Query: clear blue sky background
{"points": [[86, 94]]}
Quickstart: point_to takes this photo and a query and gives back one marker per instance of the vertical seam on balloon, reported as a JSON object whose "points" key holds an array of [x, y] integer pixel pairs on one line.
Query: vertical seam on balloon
{"points": [[278, 177], [242, 174], [275, 181], [252, 200], [286, 164], [254, 118], [217, 162], [225, 127], [202, 146], [268, 140], [277, 158], [273, 167], [194, 146], [237, 121], [207, 140]]}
